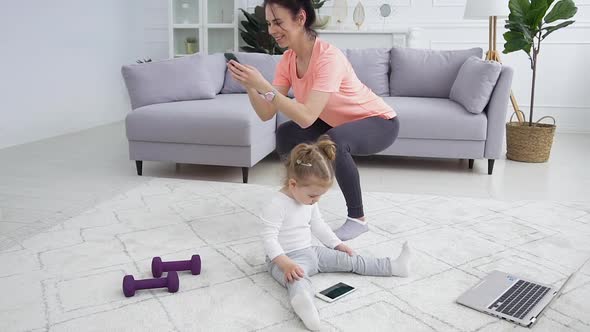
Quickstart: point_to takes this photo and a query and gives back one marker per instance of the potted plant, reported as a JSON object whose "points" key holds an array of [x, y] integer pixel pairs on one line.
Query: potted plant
{"points": [[321, 21], [255, 33], [191, 45], [528, 24]]}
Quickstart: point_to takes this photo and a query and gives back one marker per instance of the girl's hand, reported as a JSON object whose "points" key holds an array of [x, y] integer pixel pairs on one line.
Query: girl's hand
{"points": [[291, 270], [344, 248], [247, 75]]}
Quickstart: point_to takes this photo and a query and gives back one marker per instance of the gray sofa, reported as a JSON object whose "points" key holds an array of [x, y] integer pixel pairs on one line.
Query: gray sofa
{"points": [[189, 110]]}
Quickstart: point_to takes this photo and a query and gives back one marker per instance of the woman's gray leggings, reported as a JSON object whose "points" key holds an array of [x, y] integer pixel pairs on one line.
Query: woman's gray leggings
{"points": [[359, 138], [314, 260]]}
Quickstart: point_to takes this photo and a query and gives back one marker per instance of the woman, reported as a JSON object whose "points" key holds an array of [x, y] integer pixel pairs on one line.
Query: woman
{"points": [[329, 99]]}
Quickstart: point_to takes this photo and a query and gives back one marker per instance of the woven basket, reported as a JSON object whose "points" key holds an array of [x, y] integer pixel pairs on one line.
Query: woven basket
{"points": [[530, 144]]}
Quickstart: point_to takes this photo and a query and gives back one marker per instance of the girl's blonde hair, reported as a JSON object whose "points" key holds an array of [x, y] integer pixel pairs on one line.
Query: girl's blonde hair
{"points": [[312, 160]]}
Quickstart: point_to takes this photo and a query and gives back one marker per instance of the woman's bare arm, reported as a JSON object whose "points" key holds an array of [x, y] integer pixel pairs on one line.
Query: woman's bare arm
{"points": [[263, 108], [304, 114]]}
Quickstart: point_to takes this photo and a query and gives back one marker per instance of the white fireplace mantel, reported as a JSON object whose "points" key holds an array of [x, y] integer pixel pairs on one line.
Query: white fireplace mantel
{"points": [[398, 37]]}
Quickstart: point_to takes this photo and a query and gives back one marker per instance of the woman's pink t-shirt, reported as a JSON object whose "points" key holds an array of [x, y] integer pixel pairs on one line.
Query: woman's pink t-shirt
{"points": [[330, 71]]}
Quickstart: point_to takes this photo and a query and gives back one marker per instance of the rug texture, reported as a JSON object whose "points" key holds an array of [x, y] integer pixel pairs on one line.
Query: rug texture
{"points": [[69, 278]]}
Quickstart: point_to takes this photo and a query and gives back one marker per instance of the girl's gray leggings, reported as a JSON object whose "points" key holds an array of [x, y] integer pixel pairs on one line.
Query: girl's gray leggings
{"points": [[318, 259], [359, 138]]}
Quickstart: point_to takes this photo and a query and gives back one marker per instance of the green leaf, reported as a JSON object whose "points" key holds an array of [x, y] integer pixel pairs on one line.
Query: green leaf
{"points": [[318, 4], [515, 35], [515, 18], [518, 26], [254, 33], [253, 20], [253, 49], [555, 28], [563, 10], [249, 26], [248, 38], [517, 45], [536, 12], [519, 8]]}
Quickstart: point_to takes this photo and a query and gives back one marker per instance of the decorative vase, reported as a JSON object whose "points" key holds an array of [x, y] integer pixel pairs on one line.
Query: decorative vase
{"points": [[321, 21], [340, 11], [358, 16]]}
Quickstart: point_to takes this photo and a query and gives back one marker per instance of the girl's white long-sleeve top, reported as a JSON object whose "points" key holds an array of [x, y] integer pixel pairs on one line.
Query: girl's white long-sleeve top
{"points": [[288, 226]]}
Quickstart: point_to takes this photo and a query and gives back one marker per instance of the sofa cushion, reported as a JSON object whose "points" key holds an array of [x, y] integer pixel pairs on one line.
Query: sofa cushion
{"points": [[437, 118], [217, 67], [226, 120], [426, 73], [474, 83], [371, 66], [164, 81], [265, 63]]}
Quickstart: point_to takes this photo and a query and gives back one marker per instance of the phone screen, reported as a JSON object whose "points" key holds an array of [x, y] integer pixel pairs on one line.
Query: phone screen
{"points": [[337, 290]]}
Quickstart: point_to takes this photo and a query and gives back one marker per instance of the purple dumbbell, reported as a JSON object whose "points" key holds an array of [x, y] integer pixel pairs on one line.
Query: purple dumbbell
{"points": [[194, 265], [130, 285]]}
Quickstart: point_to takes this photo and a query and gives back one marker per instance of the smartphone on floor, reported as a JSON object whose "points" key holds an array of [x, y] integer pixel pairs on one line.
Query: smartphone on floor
{"points": [[335, 292]]}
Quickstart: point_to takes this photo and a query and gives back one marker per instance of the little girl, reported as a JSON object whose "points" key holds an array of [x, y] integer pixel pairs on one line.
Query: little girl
{"points": [[292, 216]]}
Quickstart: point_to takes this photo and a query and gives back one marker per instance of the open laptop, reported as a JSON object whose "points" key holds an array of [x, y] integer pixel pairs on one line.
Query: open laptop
{"points": [[510, 297]]}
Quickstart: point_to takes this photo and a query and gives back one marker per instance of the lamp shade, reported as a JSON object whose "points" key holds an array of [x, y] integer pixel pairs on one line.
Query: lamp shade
{"points": [[483, 9]]}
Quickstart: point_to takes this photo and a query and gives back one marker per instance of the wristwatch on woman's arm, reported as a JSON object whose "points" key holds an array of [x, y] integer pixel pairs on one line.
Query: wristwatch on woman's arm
{"points": [[270, 96]]}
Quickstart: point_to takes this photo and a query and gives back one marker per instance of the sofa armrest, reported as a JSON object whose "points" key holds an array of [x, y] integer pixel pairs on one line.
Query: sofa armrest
{"points": [[496, 113]]}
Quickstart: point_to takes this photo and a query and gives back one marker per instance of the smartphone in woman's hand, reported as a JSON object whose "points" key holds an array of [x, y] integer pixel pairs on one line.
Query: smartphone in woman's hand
{"points": [[230, 56]]}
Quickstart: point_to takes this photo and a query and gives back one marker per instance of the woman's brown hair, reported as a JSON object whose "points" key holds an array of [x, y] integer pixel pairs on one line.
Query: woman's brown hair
{"points": [[294, 6]]}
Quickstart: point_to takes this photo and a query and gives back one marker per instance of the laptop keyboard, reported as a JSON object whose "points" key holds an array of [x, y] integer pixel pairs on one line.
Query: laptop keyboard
{"points": [[519, 299]]}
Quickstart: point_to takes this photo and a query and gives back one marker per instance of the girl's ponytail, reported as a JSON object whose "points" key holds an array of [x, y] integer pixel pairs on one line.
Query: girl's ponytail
{"points": [[327, 147]]}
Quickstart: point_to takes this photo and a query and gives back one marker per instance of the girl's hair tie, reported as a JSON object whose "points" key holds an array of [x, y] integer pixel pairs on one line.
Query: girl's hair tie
{"points": [[299, 162]]}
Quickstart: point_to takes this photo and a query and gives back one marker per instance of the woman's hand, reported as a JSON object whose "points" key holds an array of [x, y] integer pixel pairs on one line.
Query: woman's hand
{"points": [[344, 248], [290, 268], [248, 76]]}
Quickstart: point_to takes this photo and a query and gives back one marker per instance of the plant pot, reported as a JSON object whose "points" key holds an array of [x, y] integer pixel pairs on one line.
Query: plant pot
{"points": [[530, 144], [321, 22], [191, 47]]}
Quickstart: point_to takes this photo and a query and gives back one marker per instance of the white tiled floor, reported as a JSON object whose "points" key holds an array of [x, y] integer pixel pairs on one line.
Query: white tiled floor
{"points": [[75, 218]]}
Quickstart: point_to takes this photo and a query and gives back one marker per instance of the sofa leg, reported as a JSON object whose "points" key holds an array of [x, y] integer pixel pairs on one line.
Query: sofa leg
{"points": [[139, 167], [491, 166], [245, 174], [471, 163]]}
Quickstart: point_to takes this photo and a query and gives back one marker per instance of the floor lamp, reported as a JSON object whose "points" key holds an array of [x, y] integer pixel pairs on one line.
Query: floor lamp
{"points": [[491, 10]]}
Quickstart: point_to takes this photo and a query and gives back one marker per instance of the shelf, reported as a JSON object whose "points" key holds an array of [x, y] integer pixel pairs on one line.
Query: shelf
{"points": [[185, 12], [179, 38], [220, 40], [366, 32], [221, 11], [180, 55], [213, 24], [220, 26], [186, 26]]}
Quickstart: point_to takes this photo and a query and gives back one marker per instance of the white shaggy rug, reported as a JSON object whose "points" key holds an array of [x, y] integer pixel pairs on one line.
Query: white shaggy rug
{"points": [[69, 278]]}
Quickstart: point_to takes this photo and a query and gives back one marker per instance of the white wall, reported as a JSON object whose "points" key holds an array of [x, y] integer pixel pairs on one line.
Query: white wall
{"points": [[60, 65], [564, 62]]}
